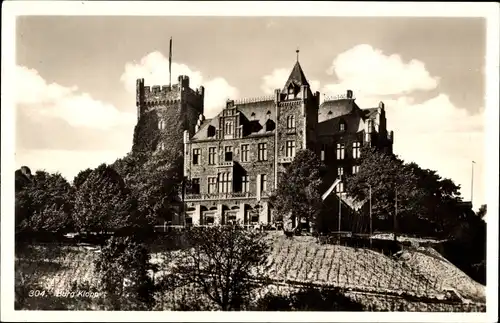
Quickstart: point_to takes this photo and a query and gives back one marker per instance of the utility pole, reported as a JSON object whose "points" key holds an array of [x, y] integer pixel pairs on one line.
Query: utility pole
{"points": [[472, 184], [395, 212], [371, 227], [340, 200]]}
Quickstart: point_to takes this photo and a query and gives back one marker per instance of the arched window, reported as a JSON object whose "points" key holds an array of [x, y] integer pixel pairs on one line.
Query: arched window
{"points": [[290, 122]]}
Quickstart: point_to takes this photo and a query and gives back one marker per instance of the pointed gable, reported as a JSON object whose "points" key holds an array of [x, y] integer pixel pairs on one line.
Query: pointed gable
{"points": [[296, 78]]}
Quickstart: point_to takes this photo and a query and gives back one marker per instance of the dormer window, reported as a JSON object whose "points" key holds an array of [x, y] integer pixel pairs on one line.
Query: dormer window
{"points": [[342, 126], [211, 131]]}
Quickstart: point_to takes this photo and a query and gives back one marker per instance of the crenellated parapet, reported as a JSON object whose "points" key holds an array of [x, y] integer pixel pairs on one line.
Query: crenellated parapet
{"points": [[148, 97]]}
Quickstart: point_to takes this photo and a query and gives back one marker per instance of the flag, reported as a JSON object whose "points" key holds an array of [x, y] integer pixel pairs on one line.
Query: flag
{"points": [[170, 62]]}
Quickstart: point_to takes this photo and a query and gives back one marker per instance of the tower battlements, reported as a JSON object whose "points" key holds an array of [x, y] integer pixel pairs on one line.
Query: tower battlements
{"points": [[166, 95]]}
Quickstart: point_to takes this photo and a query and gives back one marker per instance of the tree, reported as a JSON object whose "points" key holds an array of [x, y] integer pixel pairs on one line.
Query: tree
{"points": [[44, 204], [222, 262], [123, 267], [157, 186], [298, 194], [81, 177], [104, 202], [395, 191], [440, 201]]}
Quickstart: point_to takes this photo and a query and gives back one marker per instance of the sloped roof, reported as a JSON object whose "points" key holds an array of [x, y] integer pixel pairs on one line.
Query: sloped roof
{"points": [[256, 113], [370, 113], [297, 76]]}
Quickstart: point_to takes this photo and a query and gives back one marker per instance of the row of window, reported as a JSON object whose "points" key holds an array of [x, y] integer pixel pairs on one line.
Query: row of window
{"points": [[340, 151], [223, 183], [244, 153], [340, 170]]}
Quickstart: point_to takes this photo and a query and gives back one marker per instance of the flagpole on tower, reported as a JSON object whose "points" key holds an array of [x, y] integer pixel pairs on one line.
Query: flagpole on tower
{"points": [[170, 64]]}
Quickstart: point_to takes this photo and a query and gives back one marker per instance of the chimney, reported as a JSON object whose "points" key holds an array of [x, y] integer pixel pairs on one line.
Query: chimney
{"points": [[349, 94]]}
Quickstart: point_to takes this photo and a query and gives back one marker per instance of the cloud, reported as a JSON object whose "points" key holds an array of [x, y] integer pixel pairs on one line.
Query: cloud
{"points": [[433, 133], [154, 69], [59, 128], [369, 71], [277, 79], [39, 99]]}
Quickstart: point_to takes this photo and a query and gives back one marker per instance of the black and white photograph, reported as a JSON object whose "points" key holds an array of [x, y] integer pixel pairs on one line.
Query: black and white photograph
{"points": [[310, 161]]}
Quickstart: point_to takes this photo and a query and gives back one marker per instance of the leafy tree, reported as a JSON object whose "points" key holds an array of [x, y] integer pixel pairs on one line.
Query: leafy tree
{"points": [[157, 186], [298, 194], [81, 177], [440, 201], [44, 204], [130, 165], [23, 177], [221, 262], [482, 211], [104, 202], [394, 185], [123, 267]]}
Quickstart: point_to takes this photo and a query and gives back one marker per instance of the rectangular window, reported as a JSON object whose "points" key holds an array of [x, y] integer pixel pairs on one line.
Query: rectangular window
{"points": [[211, 156], [229, 127], [290, 122], [225, 180], [356, 147], [290, 148], [323, 152], [263, 183], [340, 187], [228, 153], [340, 171], [262, 147], [355, 169], [245, 184], [212, 185], [196, 156], [195, 186], [340, 151], [244, 153]]}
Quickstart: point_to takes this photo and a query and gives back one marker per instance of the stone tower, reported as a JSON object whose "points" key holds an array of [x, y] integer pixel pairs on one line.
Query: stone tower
{"points": [[297, 114], [164, 113]]}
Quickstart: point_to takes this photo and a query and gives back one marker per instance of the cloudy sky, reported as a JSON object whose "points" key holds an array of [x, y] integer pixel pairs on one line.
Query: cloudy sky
{"points": [[75, 79]]}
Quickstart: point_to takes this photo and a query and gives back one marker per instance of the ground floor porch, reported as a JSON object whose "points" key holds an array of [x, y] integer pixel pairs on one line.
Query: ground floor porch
{"points": [[228, 212]]}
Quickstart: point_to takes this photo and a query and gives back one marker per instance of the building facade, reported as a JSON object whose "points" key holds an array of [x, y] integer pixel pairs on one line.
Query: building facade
{"points": [[233, 161]]}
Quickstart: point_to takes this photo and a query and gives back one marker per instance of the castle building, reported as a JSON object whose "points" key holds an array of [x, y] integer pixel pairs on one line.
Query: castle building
{"points": [[234, 160]]}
